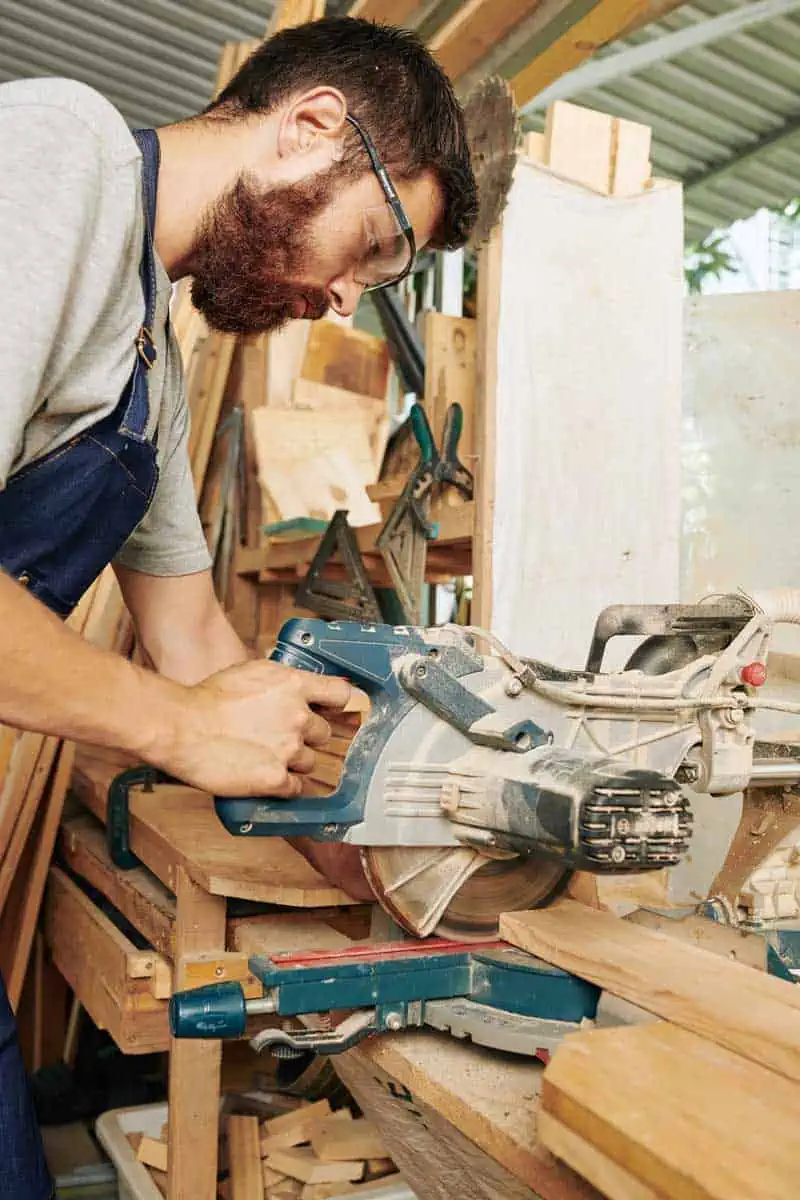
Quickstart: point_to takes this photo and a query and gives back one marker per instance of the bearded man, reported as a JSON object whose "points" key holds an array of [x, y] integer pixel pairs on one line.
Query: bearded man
{"points": [[336, 152]]}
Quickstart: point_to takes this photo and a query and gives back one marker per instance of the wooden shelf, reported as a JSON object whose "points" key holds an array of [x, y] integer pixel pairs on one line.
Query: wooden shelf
{"points": [[113, 980], [456, 524]]}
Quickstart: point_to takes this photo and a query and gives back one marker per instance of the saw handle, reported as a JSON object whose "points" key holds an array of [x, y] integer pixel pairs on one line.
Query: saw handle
{"points": [[360, 653]]}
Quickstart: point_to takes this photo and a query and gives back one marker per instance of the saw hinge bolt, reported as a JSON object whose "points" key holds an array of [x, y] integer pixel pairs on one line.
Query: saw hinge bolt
{"points": [[450, 797], [514, 686]]}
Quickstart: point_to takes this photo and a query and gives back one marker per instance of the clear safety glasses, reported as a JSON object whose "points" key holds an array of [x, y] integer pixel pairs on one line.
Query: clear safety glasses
{"points": [[387, 230]]}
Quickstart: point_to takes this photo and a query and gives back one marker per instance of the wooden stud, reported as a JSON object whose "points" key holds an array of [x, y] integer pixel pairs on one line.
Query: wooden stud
{"points": [[194, 1066], [244, 1159], [578, 145], [630, 171]]}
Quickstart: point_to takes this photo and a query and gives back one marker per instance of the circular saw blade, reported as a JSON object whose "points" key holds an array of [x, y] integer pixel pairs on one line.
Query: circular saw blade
{"points": [[457, 893], [493, 134]]}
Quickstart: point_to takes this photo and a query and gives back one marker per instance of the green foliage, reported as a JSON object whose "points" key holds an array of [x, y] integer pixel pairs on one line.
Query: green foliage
{"points": [[707, 259]]}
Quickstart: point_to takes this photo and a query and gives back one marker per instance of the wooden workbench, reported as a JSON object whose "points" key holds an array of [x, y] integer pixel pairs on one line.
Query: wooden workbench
{"points": [[471, 1111], [179, 904]]}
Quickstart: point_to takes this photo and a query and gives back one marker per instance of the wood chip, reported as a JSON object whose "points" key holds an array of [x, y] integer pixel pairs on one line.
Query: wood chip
{"points": [[152, 1153], [301, 1163], [345, 1141]]}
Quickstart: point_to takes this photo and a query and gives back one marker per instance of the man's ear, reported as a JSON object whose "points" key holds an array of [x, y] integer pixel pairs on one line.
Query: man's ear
{"points": [[313, 121]]}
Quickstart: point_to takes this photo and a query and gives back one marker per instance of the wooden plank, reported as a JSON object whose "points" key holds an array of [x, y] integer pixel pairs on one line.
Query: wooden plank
{"points": [[450, 366], [754, 1014], [474, 29], [631, 169], [205, 401], [311, 463], [676, 1114], [347, 358], [575, 351], [244, 1158], [41, 752], [274, 933], [152, 1153], [138, 895], [347, 1140], [578, 145], [301, 1163], [572, 32], [194, 1066], [490, 274], [313, 396], [174, 826], [20, 917], [293, 1128], [104, 969], [391, 12], [457, 1118]]}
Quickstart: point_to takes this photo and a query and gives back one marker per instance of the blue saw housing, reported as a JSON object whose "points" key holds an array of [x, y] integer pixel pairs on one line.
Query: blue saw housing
{"points": [[362, 654]]}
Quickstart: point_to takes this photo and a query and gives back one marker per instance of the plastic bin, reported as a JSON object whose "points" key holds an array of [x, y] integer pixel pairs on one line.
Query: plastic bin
{"points": [[133, 1179]]}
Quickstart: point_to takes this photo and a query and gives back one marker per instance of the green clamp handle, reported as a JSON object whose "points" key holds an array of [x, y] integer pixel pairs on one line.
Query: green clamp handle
{"points": [[423, 433]]}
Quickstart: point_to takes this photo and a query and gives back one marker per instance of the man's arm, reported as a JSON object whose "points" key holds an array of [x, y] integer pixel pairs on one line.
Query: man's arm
{"points": [[244, 731], [180, 624]]}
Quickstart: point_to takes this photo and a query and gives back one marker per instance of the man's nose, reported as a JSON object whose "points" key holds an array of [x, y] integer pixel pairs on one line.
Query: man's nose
{"points": [[344, 294]]}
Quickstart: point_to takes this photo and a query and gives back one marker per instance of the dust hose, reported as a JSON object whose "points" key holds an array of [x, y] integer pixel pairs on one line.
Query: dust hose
{"points": [[781, 605]]}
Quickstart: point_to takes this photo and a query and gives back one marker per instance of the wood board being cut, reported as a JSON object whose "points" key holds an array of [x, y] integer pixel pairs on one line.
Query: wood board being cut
{"points": [[175, 826]]}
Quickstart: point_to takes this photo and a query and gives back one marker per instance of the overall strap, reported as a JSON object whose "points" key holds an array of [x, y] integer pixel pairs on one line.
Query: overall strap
{"points": [[134, 422]]}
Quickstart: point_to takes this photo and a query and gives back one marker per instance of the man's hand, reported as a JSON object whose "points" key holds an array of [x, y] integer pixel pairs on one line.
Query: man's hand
{"points": [[250, 730]]}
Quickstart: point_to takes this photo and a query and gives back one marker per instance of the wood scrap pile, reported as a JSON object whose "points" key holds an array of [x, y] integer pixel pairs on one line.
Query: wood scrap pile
{"points": [[311, 1153]]}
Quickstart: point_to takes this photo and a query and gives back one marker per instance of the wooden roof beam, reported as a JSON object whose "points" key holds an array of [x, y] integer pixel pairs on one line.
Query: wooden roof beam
{"points": [[474, 29], [390, 12], [575, 30]]}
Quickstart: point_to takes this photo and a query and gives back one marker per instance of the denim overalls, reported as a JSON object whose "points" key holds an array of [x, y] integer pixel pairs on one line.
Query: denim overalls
{"points": [[63, 519]]}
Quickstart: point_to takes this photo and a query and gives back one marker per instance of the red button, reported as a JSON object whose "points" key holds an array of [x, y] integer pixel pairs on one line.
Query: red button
{"points": [[754, 674]]}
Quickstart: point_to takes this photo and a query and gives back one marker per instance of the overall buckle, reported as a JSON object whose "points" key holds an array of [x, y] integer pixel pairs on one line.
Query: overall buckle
{"points": [[146, 347]]}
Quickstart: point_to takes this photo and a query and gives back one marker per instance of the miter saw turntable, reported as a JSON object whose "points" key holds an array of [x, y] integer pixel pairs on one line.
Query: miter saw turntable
{"points": [[479, 782]]}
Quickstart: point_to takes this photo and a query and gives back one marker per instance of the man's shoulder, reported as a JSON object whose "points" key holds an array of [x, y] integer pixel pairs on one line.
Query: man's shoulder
{"points": [[44, 100]]}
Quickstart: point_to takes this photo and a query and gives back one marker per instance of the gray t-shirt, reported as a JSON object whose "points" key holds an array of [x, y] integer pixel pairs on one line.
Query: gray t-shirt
{"points": [[71, 228]]}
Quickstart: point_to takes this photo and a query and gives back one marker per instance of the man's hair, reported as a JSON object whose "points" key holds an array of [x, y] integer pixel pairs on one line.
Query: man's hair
{"points": [[392, 85]]}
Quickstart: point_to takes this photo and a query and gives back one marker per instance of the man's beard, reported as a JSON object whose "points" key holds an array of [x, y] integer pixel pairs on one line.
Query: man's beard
{"points": [[251, 246]]}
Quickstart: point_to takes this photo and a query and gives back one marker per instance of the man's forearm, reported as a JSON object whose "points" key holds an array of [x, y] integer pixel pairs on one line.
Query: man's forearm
{"points": [[181, 627], [54, 682]]}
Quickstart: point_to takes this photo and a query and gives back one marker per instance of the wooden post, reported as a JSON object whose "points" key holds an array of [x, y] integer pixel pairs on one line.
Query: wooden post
{"points": [[194, 1066]]}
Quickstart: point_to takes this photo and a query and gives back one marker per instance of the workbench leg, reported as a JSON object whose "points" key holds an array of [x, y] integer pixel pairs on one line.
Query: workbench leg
{"points": [[194, 1066]]}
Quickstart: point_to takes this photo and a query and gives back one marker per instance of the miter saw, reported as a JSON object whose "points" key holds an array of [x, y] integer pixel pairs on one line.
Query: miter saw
{"points": [[480, 781]]}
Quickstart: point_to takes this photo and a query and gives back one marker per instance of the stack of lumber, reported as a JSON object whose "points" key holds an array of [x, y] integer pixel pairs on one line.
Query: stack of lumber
{"points": [[701, 1100], [311, 1153]]}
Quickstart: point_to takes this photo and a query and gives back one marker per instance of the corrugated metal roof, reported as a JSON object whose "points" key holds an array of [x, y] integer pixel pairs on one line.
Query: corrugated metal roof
{"points": [[155, 60], [725, 116]]}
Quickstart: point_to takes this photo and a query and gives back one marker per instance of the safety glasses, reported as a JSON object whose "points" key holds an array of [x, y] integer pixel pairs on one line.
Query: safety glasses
{"points": [[387, 230]]}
